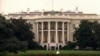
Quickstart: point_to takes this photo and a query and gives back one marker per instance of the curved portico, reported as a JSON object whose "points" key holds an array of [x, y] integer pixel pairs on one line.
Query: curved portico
{"points": [[52, 34]]}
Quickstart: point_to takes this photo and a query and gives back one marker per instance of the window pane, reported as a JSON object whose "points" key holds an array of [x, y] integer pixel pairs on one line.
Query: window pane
{"points": [[59, 25], [52, 25], [45, 36], [45, 25], [39, 25], [52, 36], [65, 25], [59, 36], [39, 37]]}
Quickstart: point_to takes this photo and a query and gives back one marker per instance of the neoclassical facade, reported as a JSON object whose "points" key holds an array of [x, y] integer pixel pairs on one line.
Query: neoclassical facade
{"points": [[53, 29]]}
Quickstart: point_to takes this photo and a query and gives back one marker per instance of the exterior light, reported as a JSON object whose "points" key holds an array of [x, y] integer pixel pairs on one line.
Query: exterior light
{"points": [[58, 52]]}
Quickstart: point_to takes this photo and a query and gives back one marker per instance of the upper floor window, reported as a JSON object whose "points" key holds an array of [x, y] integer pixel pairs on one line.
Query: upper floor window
{"points": [[45, 25], [39, 25], [59, 25], [65, 26], [52, 25]]}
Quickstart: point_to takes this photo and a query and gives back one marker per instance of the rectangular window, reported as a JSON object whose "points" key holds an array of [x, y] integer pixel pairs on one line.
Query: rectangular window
{"points": [[39, 35], [52, 25], [65, 35], [65, 26], [59, 36], [45, 25], [45, 37], [52, 36], [39, 26], [59, 25]]}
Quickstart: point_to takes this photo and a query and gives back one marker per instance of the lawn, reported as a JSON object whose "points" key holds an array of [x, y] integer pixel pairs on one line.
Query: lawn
{"points": [[62, 53]]}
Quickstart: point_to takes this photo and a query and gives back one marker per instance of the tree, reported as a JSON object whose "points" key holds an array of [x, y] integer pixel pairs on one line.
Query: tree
{"points": [[96, 28], [14, 45], [85, 36], [8, 41], [23, 32], [70, 46]]}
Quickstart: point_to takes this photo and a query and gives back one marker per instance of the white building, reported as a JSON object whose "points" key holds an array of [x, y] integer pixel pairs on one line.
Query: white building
{"points": [[53, 29]]}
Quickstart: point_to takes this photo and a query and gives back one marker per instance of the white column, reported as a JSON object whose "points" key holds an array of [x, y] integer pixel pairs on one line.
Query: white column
{"points": [[56, 32], [37, 32], [63, 32], [68, 37], [42, 33], [48, 32]]}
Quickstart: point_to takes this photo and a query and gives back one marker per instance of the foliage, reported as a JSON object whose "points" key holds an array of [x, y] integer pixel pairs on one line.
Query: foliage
{"points": [[23, 32], [85, 35], [96, 28], [22, 29], [8, 41], [14, 45], [16, 35], [70, 46]]}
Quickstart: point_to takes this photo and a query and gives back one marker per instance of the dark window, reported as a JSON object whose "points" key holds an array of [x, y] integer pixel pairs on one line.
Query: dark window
{"points": [[45, 26], [59, 25]]}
